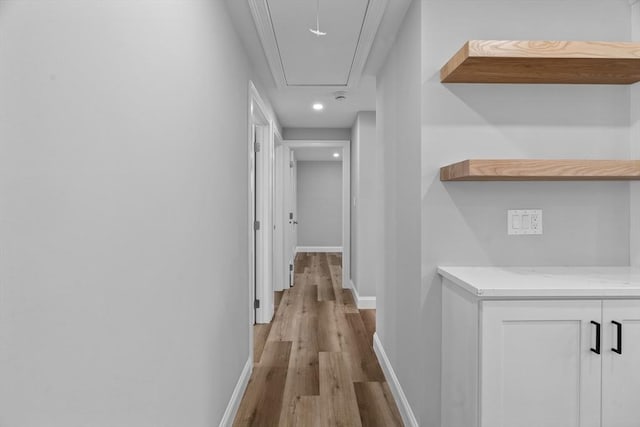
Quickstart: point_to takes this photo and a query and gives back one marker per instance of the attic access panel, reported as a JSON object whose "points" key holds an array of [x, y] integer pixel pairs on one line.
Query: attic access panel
{"points": [[298, 58], [309, 60]]}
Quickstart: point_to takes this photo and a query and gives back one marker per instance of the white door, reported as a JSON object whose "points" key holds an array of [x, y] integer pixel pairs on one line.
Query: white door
{"points": [[280, 222], [538, 367], [621, 363], [294, 205], [258, 205], [263, 227], [290, 240]]}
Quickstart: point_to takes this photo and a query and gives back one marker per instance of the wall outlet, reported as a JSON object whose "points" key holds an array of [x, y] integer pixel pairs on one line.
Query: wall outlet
{"points": [[524, 221]]}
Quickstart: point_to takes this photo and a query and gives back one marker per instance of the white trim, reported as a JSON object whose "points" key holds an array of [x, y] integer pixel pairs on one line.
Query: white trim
{"points": [[236, 396], [406, 412], [262, 19], [280, 223], [370, 24], [316, 143], [318, 249], [260, 208], [346, 213], [345, 145], [372, 19], [363, 303]]}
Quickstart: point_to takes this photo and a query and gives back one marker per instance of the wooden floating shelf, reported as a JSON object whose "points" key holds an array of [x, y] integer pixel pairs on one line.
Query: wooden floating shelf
{"points": [[542, 170], [569, 62]]}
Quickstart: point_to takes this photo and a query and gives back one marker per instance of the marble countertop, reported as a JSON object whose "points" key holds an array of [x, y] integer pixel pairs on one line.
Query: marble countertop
{"points": [[558, 282]]}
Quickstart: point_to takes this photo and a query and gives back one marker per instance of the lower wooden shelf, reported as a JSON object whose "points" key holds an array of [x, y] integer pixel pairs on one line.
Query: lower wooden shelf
{"points": [[541, 170]]}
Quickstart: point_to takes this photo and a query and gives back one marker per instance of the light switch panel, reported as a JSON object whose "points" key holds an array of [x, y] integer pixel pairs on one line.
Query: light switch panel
{"points": [[524, 221]]}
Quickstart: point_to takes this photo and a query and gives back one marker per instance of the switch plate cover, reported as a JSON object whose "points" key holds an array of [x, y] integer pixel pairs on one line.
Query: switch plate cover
{"points": [[524, 221]]}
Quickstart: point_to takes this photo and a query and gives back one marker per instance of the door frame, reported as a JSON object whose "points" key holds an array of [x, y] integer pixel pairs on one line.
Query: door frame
{"points": [[289, 241], [260, 208], [345, 146], [280, 216]]}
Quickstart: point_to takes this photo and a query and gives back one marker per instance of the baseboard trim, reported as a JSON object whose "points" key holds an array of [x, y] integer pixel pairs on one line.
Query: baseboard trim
{"points": [[406, 412], [236, 397], [319, 249], [363, 303]]}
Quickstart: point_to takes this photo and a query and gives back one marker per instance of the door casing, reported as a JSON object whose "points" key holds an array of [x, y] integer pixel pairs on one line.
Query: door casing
{"points": [[344, 146], [261, 184]]}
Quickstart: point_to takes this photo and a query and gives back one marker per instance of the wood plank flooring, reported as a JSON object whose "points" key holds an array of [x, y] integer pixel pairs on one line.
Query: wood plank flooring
{"points": [[314, 364]]}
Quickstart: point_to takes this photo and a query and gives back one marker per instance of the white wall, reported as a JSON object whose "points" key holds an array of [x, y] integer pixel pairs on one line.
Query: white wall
{"points": [[398, 296], [585, 223], [319, 134], [367, 205], [123, 213], [319, 199], [634, 187]]}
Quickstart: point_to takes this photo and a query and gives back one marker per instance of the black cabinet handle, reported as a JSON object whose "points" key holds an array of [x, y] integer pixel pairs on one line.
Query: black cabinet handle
{"points": [[597, 349], [618, 348]]}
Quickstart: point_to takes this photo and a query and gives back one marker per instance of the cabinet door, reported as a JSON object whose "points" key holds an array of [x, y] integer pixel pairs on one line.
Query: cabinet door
{"points": [[621, 372], [537, 367]]}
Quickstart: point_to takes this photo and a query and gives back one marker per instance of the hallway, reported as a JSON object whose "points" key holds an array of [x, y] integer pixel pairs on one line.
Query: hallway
{"points": [[314, 365]]}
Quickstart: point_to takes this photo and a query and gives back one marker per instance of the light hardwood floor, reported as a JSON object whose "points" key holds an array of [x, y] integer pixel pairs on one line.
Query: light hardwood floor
{"points": [[314, 364]]}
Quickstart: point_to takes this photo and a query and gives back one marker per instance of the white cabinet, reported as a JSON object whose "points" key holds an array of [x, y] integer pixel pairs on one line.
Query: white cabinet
{"points": [[537, 368], [621, 372], [543, 362]]}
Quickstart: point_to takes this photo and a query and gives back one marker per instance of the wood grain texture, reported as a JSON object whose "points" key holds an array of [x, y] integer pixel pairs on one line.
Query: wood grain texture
{"points": [[544, 61], [369, 319], [542, 170], [260, 333], [304, 411], [317, 366], [256, 407], [337, 394], [373, 403]]}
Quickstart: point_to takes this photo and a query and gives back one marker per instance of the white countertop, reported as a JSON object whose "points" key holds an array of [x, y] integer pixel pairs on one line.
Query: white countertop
{"points": [[559, 282]]}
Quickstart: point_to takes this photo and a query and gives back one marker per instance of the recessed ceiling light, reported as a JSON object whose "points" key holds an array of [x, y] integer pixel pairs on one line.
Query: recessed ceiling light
{"points": [[336, 154], [318, 107]]}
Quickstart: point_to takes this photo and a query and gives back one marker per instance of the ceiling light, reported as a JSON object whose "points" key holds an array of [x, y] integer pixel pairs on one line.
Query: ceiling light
{"points": [[318, 107], [316, 30], [336, 154]]}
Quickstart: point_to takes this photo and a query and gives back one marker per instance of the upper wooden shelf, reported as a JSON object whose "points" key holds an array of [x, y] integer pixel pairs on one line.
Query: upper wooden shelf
{"points": [[542, 170], [572, 62]]}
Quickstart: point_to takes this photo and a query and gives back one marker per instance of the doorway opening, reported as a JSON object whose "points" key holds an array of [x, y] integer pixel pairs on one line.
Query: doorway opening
{"points": [[260, 167], [312, 205]]}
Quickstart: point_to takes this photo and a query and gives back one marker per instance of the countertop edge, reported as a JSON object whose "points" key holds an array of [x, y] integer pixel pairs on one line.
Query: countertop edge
{"points": [[463, 284], [612, 292]]}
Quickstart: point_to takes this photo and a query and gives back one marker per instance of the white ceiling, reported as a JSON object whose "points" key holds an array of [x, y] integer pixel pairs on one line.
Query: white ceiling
{"points": [[292, 105], [309, 60], [317, 154]]}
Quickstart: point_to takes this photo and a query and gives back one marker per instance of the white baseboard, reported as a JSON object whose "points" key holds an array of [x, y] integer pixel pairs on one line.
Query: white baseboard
{"points": [[318, 249], [406, 412], [236, 397], [363, 303]]}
